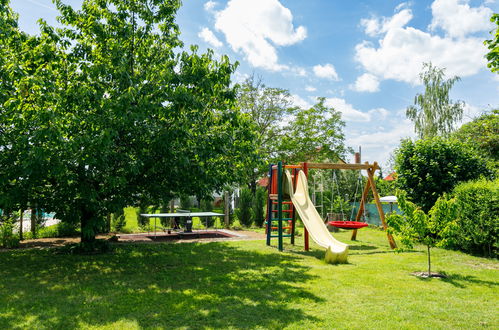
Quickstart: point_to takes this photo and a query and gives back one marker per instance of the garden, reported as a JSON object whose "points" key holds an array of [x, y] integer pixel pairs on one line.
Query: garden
{"points": [[105, 121]]}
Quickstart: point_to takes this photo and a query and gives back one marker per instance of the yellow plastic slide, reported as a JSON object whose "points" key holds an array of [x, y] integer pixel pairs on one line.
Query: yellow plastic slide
{"points": [[336, 251]]}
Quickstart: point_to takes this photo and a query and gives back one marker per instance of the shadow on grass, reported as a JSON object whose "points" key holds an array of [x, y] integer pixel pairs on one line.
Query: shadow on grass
{"points": [[214, 285], [461, 281], [362, 247]]}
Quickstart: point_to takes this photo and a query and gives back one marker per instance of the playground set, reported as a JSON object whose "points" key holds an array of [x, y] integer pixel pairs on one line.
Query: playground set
{"points": [[288, 194]]}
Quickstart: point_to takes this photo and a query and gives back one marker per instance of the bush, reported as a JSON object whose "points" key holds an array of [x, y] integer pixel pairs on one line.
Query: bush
{"points": [[143, 222], [259, 206], [185, 202], [428, 168], [8, 239], [477, 224], [207, 206], [118, 220], [244, 212]]}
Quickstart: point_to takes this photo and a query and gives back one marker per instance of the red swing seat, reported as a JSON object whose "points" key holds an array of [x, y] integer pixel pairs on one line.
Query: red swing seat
{"points": [[348, 224]]}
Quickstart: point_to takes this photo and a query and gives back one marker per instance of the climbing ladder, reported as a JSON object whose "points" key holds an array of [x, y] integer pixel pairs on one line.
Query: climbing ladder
{"points": [[280, 210]]}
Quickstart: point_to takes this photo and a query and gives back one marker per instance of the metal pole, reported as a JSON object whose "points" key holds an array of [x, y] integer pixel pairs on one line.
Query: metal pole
{"points": [[279, 203], [269, 206]]}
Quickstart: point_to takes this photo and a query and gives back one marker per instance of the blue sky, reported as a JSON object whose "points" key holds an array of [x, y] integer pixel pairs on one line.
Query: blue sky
{"points": [[363, 56]]}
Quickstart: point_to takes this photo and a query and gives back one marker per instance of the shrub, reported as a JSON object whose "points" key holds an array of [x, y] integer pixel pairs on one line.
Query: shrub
{"points": [[259, 206], [417, 226], [185, 202], [477, 224], [244, 213], [143, 222], [428, 168], [118, 220], [8, 239]]}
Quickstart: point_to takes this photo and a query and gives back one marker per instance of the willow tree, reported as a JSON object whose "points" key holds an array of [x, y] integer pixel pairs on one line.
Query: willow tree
{"points": [[129, 116], [433, 113]]}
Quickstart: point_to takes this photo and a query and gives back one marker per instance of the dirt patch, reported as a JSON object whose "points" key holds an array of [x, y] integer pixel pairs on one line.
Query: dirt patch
{"points": [[40, 243], [195, 236], [219, 235], [425, 275]]}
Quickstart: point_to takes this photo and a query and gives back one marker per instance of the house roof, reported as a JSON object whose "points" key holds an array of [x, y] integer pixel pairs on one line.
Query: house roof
{"points": [[390, 177]]}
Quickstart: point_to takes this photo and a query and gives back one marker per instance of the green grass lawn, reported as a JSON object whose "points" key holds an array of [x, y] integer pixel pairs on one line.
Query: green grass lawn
{"points": [[246, 284]]}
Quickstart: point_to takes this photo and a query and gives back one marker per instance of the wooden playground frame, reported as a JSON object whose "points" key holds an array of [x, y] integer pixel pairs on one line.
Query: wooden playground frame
{"points": [[369, 186]]}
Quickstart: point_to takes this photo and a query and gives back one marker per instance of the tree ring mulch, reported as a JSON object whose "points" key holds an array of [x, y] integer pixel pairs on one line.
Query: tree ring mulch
{"points": [[425, 275]]}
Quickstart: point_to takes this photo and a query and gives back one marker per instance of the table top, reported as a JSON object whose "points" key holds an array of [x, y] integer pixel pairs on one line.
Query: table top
{"points": [[190, 214]]}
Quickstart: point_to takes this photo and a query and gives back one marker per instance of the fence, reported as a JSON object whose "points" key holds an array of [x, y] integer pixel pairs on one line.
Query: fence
{"points": [[371, 215]]}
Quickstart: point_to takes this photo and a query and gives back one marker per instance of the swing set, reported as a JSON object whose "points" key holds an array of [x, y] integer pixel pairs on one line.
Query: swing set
{"points": [[276, 201]]}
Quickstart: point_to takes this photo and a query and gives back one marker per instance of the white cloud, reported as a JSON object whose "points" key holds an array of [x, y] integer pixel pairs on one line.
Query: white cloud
{"points": [[348, 112], [379, 145], [298, 71], [208, 36], [209, 5], [378, 113], [458, 19], [300, 102], [256, 27], [366, 83], [310, 88], [326, 71], [375, 26], [401, 50]]}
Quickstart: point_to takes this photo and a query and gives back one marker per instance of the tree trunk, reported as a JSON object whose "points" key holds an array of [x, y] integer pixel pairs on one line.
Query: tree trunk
{"points": [[88, 223], [429, 261], [21, 225], [33, 222], [226, 209], [172, 205]]}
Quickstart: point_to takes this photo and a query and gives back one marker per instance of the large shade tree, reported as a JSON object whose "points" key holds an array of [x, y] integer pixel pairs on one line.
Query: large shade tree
{"points": [[269, 108], [125, 116], [314, 134]]}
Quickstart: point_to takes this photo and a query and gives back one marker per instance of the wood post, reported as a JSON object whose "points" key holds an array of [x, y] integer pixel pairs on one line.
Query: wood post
{"points": [[362, 203], [370, 177]]}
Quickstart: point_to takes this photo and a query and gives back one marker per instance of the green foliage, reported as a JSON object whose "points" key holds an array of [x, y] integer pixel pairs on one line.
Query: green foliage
{"points": [[385, 188], [482, 135], [106, 112], [259, 204], [315, 134], [428, 168], [416, 226], [207, 206], [268, 108], [433, 113], [493, 46], [477, 223], [8, 238], [185, 202], [245, 211], [62, 229], [118, 221], [143, 222]]}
